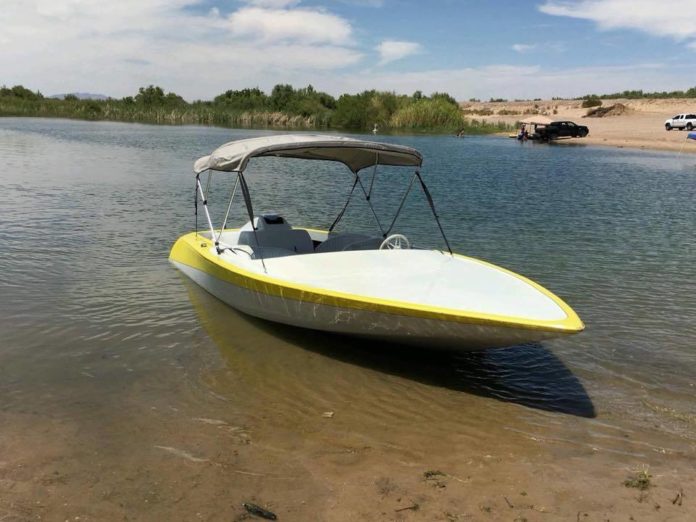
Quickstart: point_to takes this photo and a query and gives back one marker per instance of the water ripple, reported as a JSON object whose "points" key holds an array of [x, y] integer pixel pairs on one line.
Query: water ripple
{"points": [[90, 210]]}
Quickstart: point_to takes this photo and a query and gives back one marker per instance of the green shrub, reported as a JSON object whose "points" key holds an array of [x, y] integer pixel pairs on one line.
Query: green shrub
{"points": [[431, 113], [591, 101], [285, 107]]}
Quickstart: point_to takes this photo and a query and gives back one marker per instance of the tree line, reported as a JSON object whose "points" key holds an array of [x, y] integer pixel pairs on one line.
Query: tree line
{"points": [[284, 107], [639, 94]]}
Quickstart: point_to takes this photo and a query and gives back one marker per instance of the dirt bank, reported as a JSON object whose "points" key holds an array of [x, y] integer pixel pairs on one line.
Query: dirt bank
{"points": [[640, 126]]}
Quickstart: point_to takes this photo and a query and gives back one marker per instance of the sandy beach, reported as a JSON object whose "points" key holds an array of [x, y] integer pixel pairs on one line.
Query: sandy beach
{"points": [[201, 449], [640, 126]]}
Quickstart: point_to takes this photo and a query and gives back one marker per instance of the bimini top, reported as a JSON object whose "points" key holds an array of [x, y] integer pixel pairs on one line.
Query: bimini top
{"points": [[355, 154]]}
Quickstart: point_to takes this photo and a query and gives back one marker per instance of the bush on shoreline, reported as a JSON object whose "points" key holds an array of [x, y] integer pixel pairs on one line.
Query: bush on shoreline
{"points": [[639, 94], [591, 101], [285, 107]]}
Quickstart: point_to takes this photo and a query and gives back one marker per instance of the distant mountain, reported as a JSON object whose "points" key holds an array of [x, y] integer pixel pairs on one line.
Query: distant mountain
{"points": [[81, 96]]}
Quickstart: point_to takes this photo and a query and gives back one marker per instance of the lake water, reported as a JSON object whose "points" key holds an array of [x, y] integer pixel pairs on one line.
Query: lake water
{"points": [[118, 377]]}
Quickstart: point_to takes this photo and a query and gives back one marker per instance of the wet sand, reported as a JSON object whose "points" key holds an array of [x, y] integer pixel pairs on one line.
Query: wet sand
{"points": [[406, 445], [640, 127], [209, 470]]}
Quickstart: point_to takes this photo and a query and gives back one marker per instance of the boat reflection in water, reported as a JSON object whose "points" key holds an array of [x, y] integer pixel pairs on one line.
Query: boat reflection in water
{"points": [[281, 363]]}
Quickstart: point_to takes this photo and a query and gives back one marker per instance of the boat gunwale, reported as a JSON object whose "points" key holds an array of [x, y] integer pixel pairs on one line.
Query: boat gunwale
{"points": [[288, 290]]}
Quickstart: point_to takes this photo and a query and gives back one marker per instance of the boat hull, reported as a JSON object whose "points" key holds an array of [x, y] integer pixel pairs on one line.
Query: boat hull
{"points": [[288, 306], [363, 323]]}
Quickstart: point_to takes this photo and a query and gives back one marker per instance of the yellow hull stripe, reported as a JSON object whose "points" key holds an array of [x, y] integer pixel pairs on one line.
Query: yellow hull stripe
{"points": [[194, 250]]}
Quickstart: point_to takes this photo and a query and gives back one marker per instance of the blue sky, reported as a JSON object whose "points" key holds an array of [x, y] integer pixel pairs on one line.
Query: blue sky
{"points": [[470, 48]]}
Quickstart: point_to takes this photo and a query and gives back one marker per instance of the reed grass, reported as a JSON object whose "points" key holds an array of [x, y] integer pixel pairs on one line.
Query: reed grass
{"points": [[285, 108]]}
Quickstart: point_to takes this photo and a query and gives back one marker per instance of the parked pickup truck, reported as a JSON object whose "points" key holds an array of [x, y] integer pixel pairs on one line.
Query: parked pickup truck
{"points": [[560, 129], [681, 122]]}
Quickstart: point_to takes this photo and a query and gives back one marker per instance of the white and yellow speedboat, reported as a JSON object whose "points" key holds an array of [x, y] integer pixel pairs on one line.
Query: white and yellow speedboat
{"points": [[352, 283]]}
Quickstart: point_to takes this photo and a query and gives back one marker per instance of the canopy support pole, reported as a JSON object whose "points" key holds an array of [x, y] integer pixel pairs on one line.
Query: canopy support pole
{"points": [[374, 175], [367, 198], [401, 205], [432, 207], [224, 222], [205, 205], [195, 201], [343, 210], [250, 211], [207, 185], [358, 181]]}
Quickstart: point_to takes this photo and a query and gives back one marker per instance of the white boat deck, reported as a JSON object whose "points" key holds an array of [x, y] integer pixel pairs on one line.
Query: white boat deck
{"points": [[419, 277]]}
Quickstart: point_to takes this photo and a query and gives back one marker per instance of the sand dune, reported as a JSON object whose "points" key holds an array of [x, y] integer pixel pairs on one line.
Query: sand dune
{"points": [[640, 126]]}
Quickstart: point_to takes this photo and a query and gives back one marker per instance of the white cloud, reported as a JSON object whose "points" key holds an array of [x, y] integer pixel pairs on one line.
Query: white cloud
{"points": [[115, 47], [667, 18], [303, 25], [510, 81], [392, 50], [273, 4], [364, 3], [523, 48]]}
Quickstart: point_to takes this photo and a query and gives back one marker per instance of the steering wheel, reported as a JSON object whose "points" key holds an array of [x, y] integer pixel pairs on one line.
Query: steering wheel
{"points": [[395, 242]]}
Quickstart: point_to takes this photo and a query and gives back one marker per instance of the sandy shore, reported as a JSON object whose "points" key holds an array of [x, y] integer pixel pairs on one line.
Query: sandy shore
{"points": [[195, 443], [641, 126], [196, 468]]}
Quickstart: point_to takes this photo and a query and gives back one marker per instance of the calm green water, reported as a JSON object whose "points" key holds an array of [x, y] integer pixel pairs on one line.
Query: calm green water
{"points": [[91, 308]]}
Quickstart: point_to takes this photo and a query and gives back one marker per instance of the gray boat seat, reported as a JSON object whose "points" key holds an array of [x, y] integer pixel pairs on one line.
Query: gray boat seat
{"points": [[293, 241]]}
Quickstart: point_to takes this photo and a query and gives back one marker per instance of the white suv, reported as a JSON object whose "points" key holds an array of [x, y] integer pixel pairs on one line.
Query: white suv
{"points": [[681, 121]]}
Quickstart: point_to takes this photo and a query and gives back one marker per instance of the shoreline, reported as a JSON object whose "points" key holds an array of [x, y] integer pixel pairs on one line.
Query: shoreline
{"points": [[636, 143], [636, 124], [281, 128], [601, 135], [614, 143]]}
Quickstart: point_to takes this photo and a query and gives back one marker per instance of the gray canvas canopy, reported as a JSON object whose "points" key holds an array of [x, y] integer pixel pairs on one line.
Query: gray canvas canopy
{"points": [[355, 154]]}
